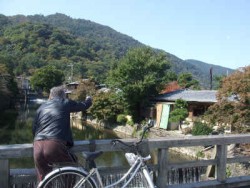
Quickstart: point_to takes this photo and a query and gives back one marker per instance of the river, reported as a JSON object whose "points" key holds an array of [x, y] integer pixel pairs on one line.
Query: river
{"points": [[22, 134]]}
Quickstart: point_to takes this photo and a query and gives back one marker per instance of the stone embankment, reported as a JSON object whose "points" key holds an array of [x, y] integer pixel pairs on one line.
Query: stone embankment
{"points": [[235, 169], [161, 133]]}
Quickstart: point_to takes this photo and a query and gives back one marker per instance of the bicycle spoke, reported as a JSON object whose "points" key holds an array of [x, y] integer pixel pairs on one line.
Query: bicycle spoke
{"points": [[68, 179]]}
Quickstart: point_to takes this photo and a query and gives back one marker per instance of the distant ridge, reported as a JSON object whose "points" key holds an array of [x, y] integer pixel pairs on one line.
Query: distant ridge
{"points": [[108, 45]]}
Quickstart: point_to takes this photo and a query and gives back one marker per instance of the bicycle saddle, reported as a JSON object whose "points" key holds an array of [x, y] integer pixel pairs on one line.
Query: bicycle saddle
{"points": [[90, 156]]}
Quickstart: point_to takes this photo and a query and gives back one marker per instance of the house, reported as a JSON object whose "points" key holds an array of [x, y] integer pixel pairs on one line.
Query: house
{"points": [[172, 86], [71, 87], [198, 102], [23, 83]]}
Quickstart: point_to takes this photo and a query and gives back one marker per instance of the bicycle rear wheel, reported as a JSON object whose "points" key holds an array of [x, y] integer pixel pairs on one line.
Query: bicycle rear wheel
{"points": [[67, 178]]}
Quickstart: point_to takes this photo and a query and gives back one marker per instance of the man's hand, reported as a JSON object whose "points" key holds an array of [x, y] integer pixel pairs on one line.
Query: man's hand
{"points": [[88, 98]]}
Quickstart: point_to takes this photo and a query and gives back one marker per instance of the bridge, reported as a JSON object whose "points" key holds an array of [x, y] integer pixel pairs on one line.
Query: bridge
{"points": [[163, 168]]}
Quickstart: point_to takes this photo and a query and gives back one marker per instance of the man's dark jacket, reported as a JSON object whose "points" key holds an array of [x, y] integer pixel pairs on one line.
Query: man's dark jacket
{"points": [[52, 119]]}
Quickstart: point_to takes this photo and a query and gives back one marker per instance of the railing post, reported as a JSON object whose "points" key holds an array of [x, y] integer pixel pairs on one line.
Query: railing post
{"points": [[162, 178], [4, 173], [220, 172]]}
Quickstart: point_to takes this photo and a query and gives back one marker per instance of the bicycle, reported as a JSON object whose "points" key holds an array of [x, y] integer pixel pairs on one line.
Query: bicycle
{"points": [[79, 177]]}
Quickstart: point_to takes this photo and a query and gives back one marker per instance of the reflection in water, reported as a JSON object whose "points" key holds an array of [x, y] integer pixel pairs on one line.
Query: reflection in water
{"points": [[27, 111], [83, 131], [80, 130]]}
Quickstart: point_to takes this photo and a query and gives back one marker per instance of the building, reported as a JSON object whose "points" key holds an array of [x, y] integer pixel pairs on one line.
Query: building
{"points": [[198, 102]]}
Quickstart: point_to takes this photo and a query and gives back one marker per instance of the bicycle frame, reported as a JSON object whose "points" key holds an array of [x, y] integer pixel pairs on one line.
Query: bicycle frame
{"points": [[136, 161], [138, 164]]}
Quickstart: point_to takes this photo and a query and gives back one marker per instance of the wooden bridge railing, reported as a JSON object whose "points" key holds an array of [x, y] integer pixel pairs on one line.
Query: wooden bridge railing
{"points": [[164, 165]]}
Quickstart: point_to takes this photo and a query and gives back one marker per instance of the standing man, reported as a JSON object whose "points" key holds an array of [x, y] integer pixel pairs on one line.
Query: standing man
{"points": [[52, 132]]}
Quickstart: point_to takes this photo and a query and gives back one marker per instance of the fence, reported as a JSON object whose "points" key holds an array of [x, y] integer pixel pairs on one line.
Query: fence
{"points": [[162, 167]]}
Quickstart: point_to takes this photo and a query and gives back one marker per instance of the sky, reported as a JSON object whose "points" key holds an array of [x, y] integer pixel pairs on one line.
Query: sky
{"points": [[212, 31]]}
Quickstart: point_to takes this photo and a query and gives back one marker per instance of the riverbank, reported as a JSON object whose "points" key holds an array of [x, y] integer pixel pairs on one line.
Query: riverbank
{"points": [[199, 152], [162, 133], [127, 131]]}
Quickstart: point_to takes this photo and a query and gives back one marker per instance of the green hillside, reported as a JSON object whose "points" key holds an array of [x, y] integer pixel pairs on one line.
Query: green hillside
{"points": [[202, 70], [29, 42]]}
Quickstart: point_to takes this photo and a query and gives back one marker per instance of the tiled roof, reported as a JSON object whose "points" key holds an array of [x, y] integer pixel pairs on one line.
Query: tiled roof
{"points": [[189, 95], [73, 83]]}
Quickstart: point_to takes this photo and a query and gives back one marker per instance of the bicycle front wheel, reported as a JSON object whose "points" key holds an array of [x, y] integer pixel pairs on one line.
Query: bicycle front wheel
{"points": [[67, 178]]}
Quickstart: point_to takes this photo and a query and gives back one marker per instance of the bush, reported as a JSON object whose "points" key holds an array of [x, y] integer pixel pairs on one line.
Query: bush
{"points": [[180, 111], [106, 106], [121, 118], [200, 128], [130, 122], [200, 154], [8, 118]]}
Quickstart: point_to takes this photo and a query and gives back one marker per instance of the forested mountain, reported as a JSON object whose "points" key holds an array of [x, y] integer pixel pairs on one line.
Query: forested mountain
{"points": [[29, 42], [204, 69], [100, 38]]}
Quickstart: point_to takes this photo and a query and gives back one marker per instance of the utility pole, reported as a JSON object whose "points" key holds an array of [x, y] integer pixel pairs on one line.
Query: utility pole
{"points": [[211, 78], [71, 74]]}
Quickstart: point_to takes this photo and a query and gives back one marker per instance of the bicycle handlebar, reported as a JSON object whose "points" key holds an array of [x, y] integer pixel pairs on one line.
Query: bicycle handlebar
{"points": [[135, 144]]}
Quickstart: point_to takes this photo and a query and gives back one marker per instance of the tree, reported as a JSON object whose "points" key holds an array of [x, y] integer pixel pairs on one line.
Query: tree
{"points": [[8, 87], [4, 91], [186, 80], [140, 75], [86, 87], [180, 111], [106, 106], [218, 81], [233, 103], [47, 77]]}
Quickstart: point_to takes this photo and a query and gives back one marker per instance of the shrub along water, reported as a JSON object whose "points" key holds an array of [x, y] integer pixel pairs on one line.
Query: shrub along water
{"points": [[201, 129], [7, 123]]}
